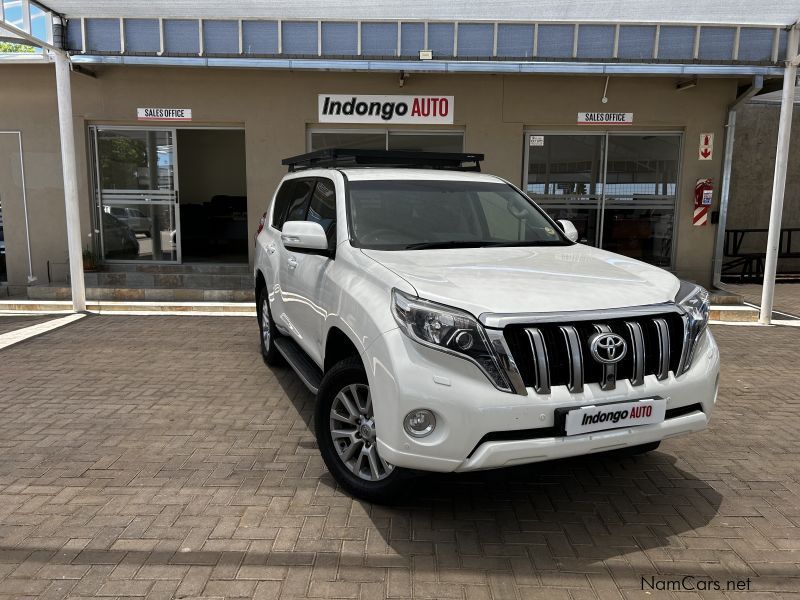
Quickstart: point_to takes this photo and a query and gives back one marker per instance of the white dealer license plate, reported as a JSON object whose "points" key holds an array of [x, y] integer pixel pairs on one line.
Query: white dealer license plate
{"points": [[614, 416]]}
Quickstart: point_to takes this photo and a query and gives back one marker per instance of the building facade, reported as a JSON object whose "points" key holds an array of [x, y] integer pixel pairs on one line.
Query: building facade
{"points": [[181, 126]]}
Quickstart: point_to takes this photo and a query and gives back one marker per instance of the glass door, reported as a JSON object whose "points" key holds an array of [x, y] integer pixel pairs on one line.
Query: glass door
{"points": [[619, 189], [640, 192], [137, 193], [565, 174]]}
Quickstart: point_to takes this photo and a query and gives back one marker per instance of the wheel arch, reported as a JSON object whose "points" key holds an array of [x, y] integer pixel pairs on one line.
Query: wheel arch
{"points": [[261, 283], [338, 346]]}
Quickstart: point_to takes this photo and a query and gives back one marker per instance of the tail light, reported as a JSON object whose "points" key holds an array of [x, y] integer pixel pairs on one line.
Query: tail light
{"points": [[261, 223]]}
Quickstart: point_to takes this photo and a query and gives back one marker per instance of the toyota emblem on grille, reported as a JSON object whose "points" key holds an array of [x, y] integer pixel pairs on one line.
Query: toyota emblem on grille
{"points": [[608, 348]]}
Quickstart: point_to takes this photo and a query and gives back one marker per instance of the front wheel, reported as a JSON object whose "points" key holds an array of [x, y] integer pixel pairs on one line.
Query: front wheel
{"points": [[346, 435]]}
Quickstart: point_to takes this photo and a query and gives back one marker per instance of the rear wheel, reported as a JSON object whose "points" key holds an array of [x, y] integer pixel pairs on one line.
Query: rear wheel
{"points": [[267, 331], [346, 435]]}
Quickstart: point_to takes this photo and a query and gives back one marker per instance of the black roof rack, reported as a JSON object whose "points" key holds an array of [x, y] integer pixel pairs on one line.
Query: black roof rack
{"points": [[346, 157]]}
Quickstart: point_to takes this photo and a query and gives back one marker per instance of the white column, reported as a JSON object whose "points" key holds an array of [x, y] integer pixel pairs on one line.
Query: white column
{"points": [[779, 180], [70, 174]]}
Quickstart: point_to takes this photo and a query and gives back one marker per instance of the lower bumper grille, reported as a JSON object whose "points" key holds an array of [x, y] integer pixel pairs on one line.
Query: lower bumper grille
{"points": [[516, 435]]}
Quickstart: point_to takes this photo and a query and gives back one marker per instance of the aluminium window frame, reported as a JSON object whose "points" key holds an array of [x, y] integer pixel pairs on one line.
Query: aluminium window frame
{"points": [[601, 208]]}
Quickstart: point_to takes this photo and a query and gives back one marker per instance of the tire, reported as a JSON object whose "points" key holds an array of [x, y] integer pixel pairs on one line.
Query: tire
{"points": [[268, 332], [365, 475]]}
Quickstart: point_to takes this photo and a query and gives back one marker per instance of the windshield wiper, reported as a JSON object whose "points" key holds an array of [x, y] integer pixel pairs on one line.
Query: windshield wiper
{"points": [[449, 244], [480, 244], [523, 243]]}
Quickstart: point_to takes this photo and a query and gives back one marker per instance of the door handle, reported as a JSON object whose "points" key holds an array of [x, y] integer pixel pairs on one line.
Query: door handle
{"points": [[292, 263], [271, 249]]}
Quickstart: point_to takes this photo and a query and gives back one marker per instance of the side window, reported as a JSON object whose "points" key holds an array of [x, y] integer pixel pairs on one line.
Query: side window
{"points": [[291, 202], [322, 209]]}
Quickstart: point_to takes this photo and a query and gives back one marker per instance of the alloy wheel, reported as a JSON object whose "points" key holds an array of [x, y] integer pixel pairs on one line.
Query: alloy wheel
{"points": [[352, 428]]}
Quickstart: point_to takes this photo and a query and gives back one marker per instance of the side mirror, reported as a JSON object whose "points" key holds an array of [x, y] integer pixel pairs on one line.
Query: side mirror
{"points": [[304, 235], [569, 230]]}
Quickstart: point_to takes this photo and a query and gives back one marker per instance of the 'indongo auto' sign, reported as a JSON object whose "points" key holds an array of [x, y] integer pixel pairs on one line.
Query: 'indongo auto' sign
{"points": [[349, 108]]}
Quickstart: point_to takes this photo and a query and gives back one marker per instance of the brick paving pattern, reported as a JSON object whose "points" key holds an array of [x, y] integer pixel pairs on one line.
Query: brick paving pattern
{"points": [[787, 295], [14, 323], [157, 457]]}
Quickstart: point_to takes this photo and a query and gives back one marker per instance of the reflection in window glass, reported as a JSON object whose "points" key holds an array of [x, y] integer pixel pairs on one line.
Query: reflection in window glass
{"points": [[620, 195], [565, 165], [642, 165], [348, 139], [135, 159], [426, 142], [412, 141], [322, 208]]}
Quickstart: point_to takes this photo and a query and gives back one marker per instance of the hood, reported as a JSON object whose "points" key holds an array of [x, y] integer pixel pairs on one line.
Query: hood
{"points": [[529, 279]]}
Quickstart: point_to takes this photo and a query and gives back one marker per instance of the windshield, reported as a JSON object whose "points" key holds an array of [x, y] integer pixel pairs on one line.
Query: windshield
{"points": [[423, 214]]}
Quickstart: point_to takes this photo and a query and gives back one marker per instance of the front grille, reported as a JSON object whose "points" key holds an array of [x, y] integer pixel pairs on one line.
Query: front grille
{"points": [[558, 354]]}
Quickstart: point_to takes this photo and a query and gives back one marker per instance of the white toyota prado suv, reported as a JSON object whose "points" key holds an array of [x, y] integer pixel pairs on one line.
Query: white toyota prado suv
{"points": [[446, 323]]}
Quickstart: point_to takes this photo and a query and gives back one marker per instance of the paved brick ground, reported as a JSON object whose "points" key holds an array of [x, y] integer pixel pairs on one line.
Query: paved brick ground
{"points": [[13, 323], [156, 457], [787, 295]]}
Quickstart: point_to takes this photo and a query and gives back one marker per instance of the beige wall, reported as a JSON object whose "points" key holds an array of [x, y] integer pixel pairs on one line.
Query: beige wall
{"points": [[277, 107]]}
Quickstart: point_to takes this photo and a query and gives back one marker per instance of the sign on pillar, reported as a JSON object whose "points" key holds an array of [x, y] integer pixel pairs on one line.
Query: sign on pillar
{"points": [[706, 150]]}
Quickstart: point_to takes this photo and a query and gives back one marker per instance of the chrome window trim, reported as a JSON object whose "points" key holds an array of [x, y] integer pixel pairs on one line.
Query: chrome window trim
{"points": [[501, 320]]}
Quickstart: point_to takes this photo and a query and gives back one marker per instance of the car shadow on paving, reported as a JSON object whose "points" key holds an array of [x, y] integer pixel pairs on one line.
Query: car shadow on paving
{"points": [[588, 509], [159, 457]]}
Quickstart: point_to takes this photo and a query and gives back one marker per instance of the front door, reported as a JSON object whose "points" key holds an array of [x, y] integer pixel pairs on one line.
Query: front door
{"points": [[137, 194]]}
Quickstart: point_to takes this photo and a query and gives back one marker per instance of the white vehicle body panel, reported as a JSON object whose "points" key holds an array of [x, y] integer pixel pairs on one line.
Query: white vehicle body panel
{"points": [[311, 294]]}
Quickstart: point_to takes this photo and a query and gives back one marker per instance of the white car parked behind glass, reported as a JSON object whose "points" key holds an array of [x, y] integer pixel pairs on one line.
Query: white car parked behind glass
{"points": [[445, 323]]}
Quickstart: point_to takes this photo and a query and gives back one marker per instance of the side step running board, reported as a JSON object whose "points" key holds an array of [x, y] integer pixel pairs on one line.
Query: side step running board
{"points": [[308, 372]]}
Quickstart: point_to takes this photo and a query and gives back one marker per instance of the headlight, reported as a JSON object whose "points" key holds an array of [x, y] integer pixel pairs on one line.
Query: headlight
{"points": [[694, 302], [449, 330]]}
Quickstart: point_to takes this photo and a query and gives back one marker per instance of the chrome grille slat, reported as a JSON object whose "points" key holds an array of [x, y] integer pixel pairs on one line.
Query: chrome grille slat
{"points": [[540, 361], [609, 381], [549, 355], [638, 351], [662, 331], [575, 355], [688, 347]]}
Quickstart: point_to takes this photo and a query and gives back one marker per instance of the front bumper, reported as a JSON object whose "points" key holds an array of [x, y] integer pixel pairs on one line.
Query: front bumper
{"points": [[405, 376]]}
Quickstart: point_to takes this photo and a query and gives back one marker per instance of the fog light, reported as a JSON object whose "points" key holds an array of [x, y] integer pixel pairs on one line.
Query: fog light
{"points": [[419, 423]]}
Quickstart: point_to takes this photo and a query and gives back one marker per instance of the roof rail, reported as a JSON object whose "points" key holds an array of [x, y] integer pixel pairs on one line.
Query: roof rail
{"points": [[347, 157]]}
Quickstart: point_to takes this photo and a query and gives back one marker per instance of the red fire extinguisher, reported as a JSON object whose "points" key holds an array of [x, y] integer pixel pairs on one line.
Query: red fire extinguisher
{"points": [[703, 193]]}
